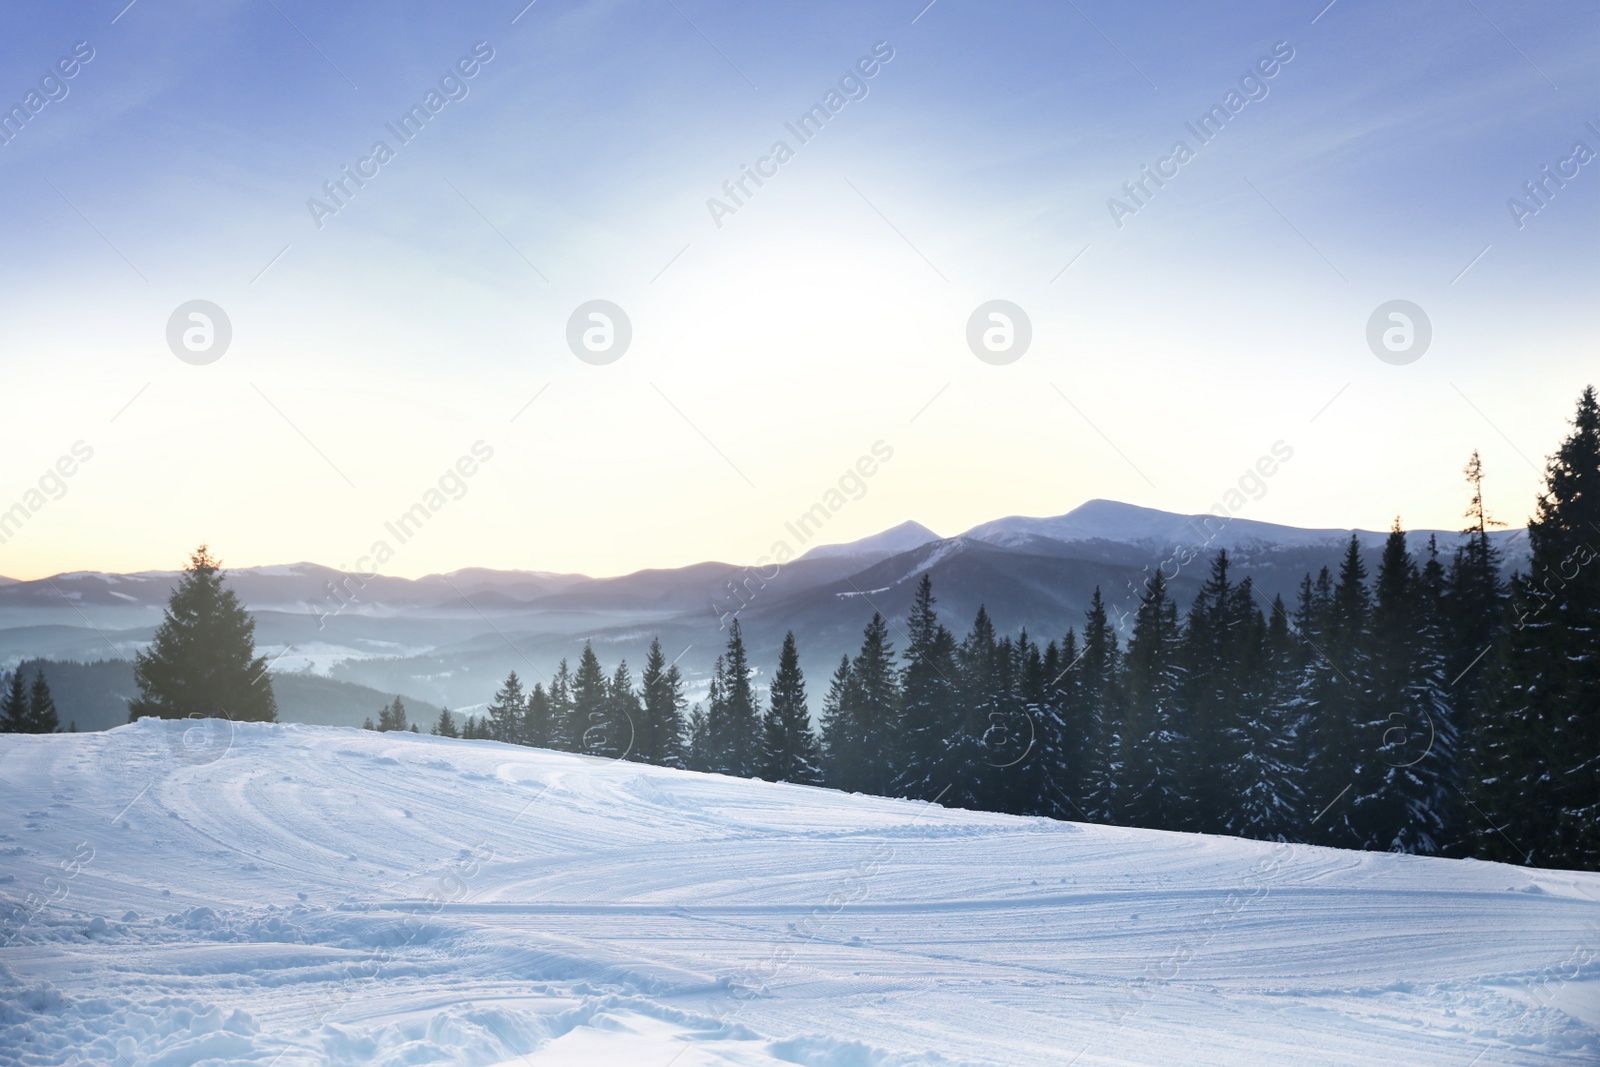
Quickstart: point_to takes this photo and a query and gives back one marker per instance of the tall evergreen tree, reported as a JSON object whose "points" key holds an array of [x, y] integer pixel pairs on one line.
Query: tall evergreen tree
{"points": [[446, 725], [538, 720], [1270, 807], [875, 704], [506, 711], [841, 748], [202, 661], [789, 750], [588, 717], [699, 755], [1100, 693], [622, 716], [1148, 791], [981, 719], [661, 727], [42, 718], [14, 710], [1537, 750], [392, 717], [1342, 750], [1410, 724], [564, 731], [928, 701], [732, 718]]}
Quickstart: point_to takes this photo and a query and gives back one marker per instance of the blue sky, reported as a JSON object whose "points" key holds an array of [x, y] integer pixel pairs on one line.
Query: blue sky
{"points": [[828, 313]]}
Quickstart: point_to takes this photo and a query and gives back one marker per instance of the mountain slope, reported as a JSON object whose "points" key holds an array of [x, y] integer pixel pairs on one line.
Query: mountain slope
{"points": [[338, 897]]}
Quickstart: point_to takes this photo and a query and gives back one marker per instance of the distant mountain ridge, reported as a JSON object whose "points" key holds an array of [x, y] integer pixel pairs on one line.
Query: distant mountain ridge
{"points": [[449, 638]]}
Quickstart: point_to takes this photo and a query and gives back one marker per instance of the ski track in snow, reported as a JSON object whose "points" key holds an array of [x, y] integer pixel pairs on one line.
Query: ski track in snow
{"points": [[293, 895]]}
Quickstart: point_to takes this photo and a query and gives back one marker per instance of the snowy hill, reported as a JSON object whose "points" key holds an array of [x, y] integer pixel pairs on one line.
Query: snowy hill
{"points": [[300, 895]]}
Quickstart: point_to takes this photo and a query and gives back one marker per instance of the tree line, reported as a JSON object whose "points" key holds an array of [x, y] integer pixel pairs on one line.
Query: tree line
{"points": [[26, 709], [1432, 707]]}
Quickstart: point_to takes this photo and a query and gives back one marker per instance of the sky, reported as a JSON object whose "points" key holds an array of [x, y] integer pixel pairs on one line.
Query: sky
{"points": [[393, 336]]}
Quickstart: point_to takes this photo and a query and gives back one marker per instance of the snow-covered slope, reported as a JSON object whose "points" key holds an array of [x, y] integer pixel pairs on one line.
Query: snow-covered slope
{"points": [[303, 895]]}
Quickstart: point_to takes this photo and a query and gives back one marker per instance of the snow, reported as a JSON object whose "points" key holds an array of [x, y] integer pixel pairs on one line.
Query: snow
{"points": [[186, 894]]}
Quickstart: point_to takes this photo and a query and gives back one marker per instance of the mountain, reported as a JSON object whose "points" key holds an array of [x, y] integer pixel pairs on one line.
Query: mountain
{"points": [[891, 542], [450, 638]]}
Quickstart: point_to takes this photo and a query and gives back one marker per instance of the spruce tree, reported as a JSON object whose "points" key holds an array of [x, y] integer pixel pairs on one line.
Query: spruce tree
{"points": [[661, 727], [1271, 807], [981, 716], [1343, 749], [1537, 745], [699, 756], [563, 735], [1148, 789], [506, 711], [840, 747], [928, 702], [42, 718], [202, 661], [735, 724], [622, 717], [1066, 737], [874, 705], [538, 723], [392, 717], [446, 726], [588, 715], [1100, 694], [1409, 726], [789, 751], [14, 711]]}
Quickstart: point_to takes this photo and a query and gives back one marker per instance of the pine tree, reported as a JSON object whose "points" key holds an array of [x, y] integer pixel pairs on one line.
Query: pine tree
{"points": [[1228, 760], [622, 718], [538, 722], [699, 756], [874, 703], [1148, 789], [202, 661], [789, 750], [1100, 695], [14, 710], [1343, 750], [587, 718], [1410, 724], [981, 716], [840, 747], [1066, 737], [446, 726], [392, 717], [1270, 807], [733, 722], [506, 711], [563, 735], [367, 725], [661, 727], [42, 718], [928, 706], [1537, 745]]}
